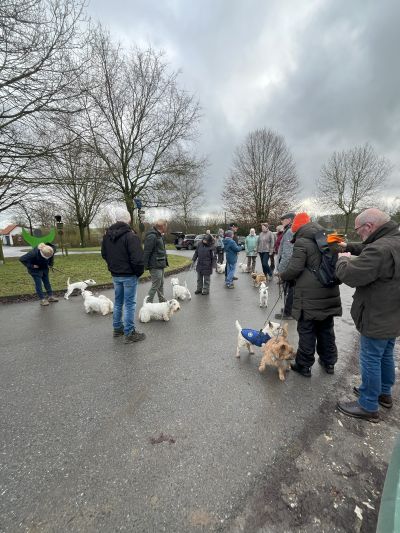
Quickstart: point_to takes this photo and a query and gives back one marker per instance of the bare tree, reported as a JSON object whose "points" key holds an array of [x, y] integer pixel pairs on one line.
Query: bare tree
{"points": [[40, 64], [77, 176], [138, 118], [263, 181], [351, 179], [183, 193]]}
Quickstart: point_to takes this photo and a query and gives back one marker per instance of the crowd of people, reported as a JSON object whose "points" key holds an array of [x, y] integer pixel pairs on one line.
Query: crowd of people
{"points": [[371, 266]]}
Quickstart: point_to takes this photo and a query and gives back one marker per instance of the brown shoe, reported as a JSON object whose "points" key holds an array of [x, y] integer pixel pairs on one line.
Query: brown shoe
{"points": [[52, 299], [355, 410], [44, 302], [385, 400]]}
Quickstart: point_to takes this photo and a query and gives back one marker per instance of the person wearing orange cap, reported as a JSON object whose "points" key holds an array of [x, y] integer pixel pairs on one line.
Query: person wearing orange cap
{"points": [[314, 305]]}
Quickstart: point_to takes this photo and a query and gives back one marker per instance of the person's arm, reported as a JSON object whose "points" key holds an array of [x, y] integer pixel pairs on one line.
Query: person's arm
{"points": [[355, 248], [195, 255], [135, 254], [103, 250], [28, 259], [296, 263], [285, 250], [246, 244], [149, 245], [362, 270]]}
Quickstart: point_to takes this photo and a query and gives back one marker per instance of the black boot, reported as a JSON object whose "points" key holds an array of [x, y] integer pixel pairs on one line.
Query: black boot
{"points": [[300, 369]]}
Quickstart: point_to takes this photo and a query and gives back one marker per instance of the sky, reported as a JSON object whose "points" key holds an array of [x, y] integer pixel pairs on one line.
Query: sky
{"points": [[323, 73]]}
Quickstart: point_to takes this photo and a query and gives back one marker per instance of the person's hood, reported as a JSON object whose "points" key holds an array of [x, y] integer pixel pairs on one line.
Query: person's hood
{"points": [[116, 231], [307, 231]]}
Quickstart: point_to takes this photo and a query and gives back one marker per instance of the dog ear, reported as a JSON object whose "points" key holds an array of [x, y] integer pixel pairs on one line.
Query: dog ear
{"points": [[285, 329]]}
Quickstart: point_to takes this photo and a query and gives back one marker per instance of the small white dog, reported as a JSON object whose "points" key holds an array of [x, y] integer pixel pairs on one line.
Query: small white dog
{"points": [[263, 291], [97, 304], [270, 328], [180, 292], [243, 267], [221, 268], [158, 311], [79, 285]]}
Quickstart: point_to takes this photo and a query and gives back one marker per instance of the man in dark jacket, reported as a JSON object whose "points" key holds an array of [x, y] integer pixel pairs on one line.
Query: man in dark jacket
{"points": [[122, 250], [375, 273], [155, 259], [314, 306]]}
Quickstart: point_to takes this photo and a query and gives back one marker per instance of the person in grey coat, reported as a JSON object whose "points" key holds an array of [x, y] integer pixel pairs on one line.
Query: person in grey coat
{"points": [[284, 254], [375, 274], [206, 261], [314, 305], [155, 259]]}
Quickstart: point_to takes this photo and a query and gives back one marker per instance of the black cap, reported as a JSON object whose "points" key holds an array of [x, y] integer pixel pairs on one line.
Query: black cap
{"points": [[288, 215]]}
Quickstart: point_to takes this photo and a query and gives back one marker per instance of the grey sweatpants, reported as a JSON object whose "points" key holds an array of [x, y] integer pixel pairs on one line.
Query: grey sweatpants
{"points": [[157, 284]]}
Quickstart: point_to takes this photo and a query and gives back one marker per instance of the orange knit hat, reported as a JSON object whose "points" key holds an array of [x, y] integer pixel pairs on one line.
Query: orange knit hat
{"points": [[300, 220]]}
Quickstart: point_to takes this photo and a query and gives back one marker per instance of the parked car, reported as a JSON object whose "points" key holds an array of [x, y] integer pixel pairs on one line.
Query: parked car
{"points": [[241, 239], [183, 241], [200, 237]]}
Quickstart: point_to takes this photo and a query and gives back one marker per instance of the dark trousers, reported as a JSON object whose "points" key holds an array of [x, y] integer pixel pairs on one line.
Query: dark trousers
{"points": [[319, 335], [264, 256], [220, 255], [288, 292], [39, 277]]}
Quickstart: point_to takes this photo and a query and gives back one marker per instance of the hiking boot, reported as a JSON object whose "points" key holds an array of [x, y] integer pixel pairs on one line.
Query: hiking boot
{"points": [[118, 332], [134, 336], [52, 299], [205, 292], [282, 316], [300, 369], [355, 410], [231, 286], [44, 302], [385, 400], [198, 291], [235, 278], [329, 369]]}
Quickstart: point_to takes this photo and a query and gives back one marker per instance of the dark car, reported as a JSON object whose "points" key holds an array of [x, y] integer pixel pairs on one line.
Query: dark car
{"points": [[200, 237], [183, 241]]}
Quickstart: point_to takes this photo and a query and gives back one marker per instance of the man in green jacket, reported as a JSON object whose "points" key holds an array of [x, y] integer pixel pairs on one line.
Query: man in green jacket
{"points": [[155, 259], [375, 273]]}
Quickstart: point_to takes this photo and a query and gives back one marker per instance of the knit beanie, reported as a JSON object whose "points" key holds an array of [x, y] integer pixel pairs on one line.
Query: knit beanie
{"points": [[229, 233], [300, 220]]}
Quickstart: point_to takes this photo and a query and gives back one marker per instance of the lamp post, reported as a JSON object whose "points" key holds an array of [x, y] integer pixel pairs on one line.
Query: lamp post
{"points": [[60, 231]]}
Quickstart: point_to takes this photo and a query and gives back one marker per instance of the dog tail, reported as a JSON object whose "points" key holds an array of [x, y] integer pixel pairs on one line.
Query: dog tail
{"points": [[238, 326], [186, 284], [145, 299], [68, 282]]}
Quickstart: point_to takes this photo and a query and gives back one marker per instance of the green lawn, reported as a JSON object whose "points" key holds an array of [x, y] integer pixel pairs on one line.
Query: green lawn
{"points": [[15, 280]]}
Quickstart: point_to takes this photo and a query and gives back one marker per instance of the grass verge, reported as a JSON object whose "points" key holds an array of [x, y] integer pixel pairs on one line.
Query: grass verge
{"points": [[15, 280]]}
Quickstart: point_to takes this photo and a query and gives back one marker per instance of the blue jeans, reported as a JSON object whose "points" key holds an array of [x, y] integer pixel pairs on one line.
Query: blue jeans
{"points": [[125, 295], [42, 276], [377, 370], [230, 272], [264, 256]]}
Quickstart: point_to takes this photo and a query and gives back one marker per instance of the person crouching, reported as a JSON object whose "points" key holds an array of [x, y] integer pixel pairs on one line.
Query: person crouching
{"points": [[38, 261]]}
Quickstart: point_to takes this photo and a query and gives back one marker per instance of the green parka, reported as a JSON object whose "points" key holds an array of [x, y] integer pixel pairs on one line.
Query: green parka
{"points": [[310, 297], [376, 275], [154, 253]]}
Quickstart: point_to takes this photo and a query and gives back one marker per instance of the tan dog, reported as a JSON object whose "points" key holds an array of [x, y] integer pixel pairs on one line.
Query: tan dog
{"points": [[278, 352], [258, 279]]}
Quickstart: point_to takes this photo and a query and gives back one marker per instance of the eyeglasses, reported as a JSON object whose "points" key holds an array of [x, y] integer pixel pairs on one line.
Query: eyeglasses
{"points": [[359, 227]]}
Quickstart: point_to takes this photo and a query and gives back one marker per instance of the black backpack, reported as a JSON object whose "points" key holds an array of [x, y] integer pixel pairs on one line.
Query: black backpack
{"points": [[325, 273]]}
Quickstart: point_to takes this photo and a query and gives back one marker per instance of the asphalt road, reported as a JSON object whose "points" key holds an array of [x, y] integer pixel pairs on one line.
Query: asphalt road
{"points": [[80, 410]]}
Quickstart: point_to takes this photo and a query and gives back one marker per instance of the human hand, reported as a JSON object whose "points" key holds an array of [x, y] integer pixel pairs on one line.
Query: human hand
{"points": [[344, 254], [342, 245], [35, 266]]}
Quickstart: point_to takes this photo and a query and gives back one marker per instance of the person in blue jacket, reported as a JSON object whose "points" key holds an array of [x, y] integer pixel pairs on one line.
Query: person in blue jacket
{"points": [[38, 261], [231, 250]]}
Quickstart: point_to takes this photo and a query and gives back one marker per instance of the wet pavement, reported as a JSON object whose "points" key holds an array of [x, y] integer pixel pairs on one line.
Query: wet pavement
{"points": [[170, 434]]}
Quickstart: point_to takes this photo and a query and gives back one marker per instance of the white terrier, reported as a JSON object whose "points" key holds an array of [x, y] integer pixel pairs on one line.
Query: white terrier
{"points": [[79, 285], [221, 268], [263, 291], [158, 311], [270, 329], [180, 292], [243, 267], [97, 304]]}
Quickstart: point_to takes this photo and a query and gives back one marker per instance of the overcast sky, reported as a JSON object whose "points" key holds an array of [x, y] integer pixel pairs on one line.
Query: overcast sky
{"points": [[323, 73]]}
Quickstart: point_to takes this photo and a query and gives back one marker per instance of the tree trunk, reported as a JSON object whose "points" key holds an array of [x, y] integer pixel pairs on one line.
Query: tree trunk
{"points": [[2, 260], [82, 233]]}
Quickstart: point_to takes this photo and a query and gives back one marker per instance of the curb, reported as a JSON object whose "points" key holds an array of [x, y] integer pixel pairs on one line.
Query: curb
{"points": [[21, 298], [389, 511]]}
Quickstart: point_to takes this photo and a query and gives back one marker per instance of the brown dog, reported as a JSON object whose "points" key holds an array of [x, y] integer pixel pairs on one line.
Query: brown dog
{"points": [[278, 352], [258, 279]]}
